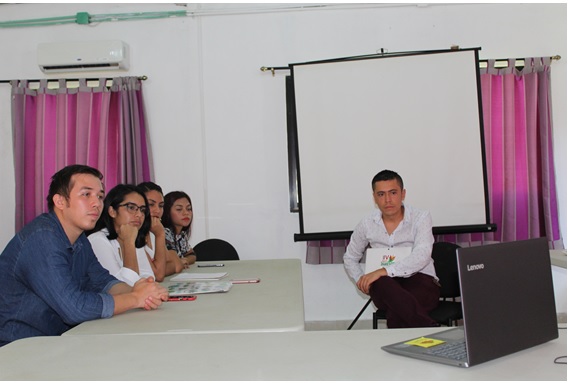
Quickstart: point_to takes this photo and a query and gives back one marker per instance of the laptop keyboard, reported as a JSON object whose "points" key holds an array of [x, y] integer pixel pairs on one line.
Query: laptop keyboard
{"points": [[455, 351]]}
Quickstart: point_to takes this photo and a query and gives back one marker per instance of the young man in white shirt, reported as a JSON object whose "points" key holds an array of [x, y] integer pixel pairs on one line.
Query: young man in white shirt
{"points": [[406, 290]]}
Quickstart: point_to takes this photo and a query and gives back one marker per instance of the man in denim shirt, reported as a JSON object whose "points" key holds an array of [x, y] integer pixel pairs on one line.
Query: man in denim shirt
{"points": [[50, 279]]}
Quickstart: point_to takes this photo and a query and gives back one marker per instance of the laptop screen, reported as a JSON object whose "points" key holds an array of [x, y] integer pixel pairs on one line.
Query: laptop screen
{"points": [[508, 298], [508, 306]]}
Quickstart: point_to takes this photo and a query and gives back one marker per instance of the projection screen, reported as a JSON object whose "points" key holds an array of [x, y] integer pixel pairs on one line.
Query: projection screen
{"points": [[418, 114]]}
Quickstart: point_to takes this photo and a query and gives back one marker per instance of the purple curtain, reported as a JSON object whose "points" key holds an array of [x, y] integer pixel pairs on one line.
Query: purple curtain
{"points": [[520, 163], [103, 127], [324, 252]]}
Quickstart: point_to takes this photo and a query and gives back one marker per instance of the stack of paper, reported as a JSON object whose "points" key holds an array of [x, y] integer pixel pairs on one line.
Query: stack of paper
{"points": [[199, 287], [198, 277]]}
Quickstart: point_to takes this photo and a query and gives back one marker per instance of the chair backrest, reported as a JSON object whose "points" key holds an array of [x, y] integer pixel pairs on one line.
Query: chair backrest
{"points": [[445, 262], [215, 249]]}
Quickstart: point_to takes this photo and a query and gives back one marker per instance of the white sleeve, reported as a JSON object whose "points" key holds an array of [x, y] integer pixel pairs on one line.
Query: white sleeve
{"points": [[151, 250], [142, 255], [420, 259], [108, 256], [355, 250]]}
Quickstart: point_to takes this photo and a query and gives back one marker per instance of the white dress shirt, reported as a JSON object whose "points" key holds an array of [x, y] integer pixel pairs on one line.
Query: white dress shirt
{"points": [[415, 231]]}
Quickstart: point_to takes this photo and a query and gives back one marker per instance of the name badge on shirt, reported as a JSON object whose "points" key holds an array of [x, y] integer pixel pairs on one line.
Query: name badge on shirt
{"points": [[378, 257]]}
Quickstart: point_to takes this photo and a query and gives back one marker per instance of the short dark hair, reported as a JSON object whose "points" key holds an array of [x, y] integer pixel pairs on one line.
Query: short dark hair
{"points": [[169, 200], [113, 199], [149, 186], [62, 181], [387, 175]]}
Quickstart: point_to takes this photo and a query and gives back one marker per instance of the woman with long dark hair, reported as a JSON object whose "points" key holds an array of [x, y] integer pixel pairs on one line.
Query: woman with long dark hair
{"points": [[155, 197], [119, 238], [177, 220]]}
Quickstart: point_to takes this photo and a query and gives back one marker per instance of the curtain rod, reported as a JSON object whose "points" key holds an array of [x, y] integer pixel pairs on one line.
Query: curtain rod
{"points": [[143, 78], [518, 62], [503, 63]]}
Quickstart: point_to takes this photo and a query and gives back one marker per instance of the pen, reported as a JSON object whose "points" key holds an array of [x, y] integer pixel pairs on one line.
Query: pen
{"points": [[212, 265], [240, 281]]}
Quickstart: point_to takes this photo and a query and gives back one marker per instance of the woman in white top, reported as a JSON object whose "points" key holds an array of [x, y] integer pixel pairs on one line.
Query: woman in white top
{"points": [[119, 240]]}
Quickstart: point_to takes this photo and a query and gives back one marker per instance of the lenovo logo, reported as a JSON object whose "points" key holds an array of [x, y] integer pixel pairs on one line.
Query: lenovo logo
{"points": [[479, 266]]}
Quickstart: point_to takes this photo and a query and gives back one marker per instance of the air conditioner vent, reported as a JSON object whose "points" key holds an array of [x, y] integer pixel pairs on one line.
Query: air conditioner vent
{"points": [[48, 68]]}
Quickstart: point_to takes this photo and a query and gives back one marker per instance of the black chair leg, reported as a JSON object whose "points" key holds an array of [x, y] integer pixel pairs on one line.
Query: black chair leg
{"points": [[358, 315]]}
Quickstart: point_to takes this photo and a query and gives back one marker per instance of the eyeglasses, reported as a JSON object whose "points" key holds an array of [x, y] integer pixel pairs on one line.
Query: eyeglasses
{"points": [[133, 208]]}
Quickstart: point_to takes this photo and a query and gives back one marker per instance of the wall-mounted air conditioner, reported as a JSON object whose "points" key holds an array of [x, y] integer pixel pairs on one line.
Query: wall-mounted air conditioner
{"points": [[89, 56]]}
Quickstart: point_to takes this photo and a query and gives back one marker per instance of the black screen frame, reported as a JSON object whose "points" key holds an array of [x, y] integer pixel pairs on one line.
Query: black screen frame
{"points": [[294, 168]]}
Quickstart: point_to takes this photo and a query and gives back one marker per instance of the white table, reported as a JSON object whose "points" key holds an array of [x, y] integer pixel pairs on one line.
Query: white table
{"points": [[303, 355], [274, 304]]}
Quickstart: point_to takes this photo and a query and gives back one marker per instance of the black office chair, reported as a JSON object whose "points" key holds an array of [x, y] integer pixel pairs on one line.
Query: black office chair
{"points": [[214, 249], [448, 311]]}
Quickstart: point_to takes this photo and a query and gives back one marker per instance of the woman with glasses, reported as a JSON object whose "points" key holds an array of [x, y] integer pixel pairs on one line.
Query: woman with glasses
{"points": [[177, 219], [119, 237]]}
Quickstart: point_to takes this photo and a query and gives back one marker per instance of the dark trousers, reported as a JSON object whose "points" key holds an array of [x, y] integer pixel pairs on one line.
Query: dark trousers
{"points": [[407, 301]]}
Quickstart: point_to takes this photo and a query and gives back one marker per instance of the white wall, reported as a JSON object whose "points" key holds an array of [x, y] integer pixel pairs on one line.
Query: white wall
{"points": [[218, 124]]}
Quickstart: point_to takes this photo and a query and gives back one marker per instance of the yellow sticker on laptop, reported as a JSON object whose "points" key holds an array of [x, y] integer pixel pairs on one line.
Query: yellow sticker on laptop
{"points": [[425, 342]]}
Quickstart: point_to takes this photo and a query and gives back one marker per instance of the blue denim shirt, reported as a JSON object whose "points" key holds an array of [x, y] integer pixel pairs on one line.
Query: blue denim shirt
{"points": [[48, 285]]}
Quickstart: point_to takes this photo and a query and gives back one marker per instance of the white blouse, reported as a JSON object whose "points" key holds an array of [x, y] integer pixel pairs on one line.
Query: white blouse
{"points": [[108, 254]]}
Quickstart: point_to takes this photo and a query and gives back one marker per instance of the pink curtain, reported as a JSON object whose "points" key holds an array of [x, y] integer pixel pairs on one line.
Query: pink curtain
{"points": [[520, 163], [103, 127], [327, 251]]}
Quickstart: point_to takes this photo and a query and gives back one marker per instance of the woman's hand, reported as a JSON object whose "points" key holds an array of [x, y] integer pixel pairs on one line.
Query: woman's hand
{"points": [[185, 262], [127, 233], [156, 226], [188, 259]]}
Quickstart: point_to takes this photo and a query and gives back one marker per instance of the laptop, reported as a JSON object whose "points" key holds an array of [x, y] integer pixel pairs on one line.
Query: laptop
{"points": [[508, 306]]}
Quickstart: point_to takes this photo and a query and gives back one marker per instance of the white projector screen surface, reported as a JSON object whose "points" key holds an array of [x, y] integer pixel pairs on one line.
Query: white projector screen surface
{"points": [[416, 114]]}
